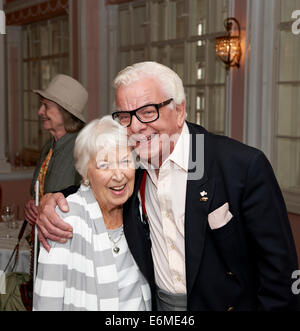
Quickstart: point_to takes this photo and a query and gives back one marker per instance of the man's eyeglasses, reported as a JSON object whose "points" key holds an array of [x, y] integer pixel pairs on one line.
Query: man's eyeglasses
{"points": [[145, 114]]}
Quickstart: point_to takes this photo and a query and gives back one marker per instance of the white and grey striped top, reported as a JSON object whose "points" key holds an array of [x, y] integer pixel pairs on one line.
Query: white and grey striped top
{"points": [[85, 273]]}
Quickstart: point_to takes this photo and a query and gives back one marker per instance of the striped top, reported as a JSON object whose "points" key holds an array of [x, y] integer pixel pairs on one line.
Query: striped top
{"points": [[85, 273]]}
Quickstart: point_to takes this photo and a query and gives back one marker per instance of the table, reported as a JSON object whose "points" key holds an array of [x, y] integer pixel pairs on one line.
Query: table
{"points": [[8, 244]]}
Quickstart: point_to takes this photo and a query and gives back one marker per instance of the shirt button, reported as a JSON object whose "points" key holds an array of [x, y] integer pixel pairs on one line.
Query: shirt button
{"points": [[178, 278], [172, 245]]}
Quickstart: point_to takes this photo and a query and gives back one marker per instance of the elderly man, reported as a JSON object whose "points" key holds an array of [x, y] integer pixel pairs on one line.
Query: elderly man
{"points": [[220, 240]]}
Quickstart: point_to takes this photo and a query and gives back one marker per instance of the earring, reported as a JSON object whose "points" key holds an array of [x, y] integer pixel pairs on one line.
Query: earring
{"points": [[85, 182]]}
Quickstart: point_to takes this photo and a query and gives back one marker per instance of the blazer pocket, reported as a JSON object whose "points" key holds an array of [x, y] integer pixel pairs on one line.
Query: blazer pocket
{"points": [[219, 217], [226, 231], [229, 249]]}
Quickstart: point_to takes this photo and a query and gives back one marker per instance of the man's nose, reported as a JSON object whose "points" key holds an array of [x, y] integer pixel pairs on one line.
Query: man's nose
{"points": [[136, 126]]}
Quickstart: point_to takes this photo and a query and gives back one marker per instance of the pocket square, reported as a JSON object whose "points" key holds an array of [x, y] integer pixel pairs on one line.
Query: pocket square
{"points": [[219, 217]]}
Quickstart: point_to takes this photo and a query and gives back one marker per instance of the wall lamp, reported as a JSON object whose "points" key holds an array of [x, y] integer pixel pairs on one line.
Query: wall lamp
{"points": [[228, 48]]}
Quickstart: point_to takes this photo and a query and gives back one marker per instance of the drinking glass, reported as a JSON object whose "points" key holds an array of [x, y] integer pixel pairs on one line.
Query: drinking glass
{"points": [[8, 214]]}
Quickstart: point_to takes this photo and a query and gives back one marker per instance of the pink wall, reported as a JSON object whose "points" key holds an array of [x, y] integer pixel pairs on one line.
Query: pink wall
{"points": [[75, 41], [93, 51], [238, 77]]}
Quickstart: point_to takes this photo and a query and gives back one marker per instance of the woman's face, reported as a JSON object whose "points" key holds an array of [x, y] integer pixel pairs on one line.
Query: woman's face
{"points": [[52, 118], [111, 176]]}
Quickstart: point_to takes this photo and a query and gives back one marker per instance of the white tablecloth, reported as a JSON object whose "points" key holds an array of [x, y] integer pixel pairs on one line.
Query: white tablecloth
{"points": [[7, 245]]}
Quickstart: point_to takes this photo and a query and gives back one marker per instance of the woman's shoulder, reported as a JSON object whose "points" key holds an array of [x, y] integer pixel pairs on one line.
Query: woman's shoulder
{"points": [[66, 142], [78, 206], [79, 215], [75, 203]]}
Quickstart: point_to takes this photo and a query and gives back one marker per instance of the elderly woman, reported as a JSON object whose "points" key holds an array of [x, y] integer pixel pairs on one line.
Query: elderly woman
{"points": [[62, 114], [95, 269]]}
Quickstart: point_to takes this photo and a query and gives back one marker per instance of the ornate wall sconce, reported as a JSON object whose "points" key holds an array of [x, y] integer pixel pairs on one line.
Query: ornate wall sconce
{"points": [[228, 48]]}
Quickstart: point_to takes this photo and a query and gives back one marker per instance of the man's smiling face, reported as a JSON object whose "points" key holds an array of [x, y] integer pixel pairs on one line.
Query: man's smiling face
{"points": [[151, 140]]}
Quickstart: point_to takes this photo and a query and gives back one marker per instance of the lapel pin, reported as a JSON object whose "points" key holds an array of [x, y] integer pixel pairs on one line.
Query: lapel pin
{"points": [[204, 197]]}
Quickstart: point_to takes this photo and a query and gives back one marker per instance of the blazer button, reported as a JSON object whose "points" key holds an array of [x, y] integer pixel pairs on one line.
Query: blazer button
{"points": [[231, 308], [229, 273]]}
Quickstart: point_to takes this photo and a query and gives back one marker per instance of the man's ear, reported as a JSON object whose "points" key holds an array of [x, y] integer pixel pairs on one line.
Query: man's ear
{"points": [[181, 114]]}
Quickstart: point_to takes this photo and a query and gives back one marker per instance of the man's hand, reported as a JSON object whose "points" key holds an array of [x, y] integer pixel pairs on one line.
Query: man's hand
{"points": [[50, 225], [30, 212]]}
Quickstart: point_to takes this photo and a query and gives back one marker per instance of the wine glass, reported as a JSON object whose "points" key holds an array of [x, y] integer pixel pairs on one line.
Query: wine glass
{"points": [[8, 214]]}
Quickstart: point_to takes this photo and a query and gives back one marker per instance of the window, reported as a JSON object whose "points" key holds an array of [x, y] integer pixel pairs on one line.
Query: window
{"points": [[45, 53], [286, 143], [180, 34], [287, 131]]}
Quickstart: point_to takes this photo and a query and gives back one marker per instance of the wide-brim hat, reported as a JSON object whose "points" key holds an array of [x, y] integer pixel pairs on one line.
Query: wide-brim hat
{"points": [[68, 93]]}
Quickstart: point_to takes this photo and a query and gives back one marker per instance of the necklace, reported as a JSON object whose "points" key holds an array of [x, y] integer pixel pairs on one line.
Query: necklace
{"points": [[116, 248]]}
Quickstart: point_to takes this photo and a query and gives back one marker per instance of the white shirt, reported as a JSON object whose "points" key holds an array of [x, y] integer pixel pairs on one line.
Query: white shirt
{"points": [[165, 205]]}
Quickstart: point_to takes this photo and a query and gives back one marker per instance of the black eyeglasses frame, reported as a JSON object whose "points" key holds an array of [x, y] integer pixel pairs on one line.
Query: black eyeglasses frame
{"points": [[134, 112]]}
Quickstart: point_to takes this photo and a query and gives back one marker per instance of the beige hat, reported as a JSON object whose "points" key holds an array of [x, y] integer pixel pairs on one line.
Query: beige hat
{"points": [[68, 93]]}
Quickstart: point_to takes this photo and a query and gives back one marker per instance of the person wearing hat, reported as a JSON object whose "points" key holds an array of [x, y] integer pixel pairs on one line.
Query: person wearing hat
{"points": [[62, 113]]}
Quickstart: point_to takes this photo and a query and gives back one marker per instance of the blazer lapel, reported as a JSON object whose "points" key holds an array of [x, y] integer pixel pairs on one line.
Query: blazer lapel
{"points": [[196, 214]]}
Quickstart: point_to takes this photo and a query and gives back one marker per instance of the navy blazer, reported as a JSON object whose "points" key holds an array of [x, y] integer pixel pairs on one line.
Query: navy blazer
{"points": [[244, 265]]}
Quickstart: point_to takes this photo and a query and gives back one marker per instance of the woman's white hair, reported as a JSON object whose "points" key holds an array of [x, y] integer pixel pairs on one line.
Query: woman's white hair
{"points": [[100, 134], [168, 79]]}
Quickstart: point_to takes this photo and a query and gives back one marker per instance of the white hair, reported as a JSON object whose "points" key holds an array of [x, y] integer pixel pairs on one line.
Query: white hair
{"points": [[100, 134], [168, 79]]}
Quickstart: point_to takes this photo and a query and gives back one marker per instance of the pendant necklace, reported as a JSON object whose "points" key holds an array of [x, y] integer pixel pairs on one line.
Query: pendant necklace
{"points": [[116, 248]]}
